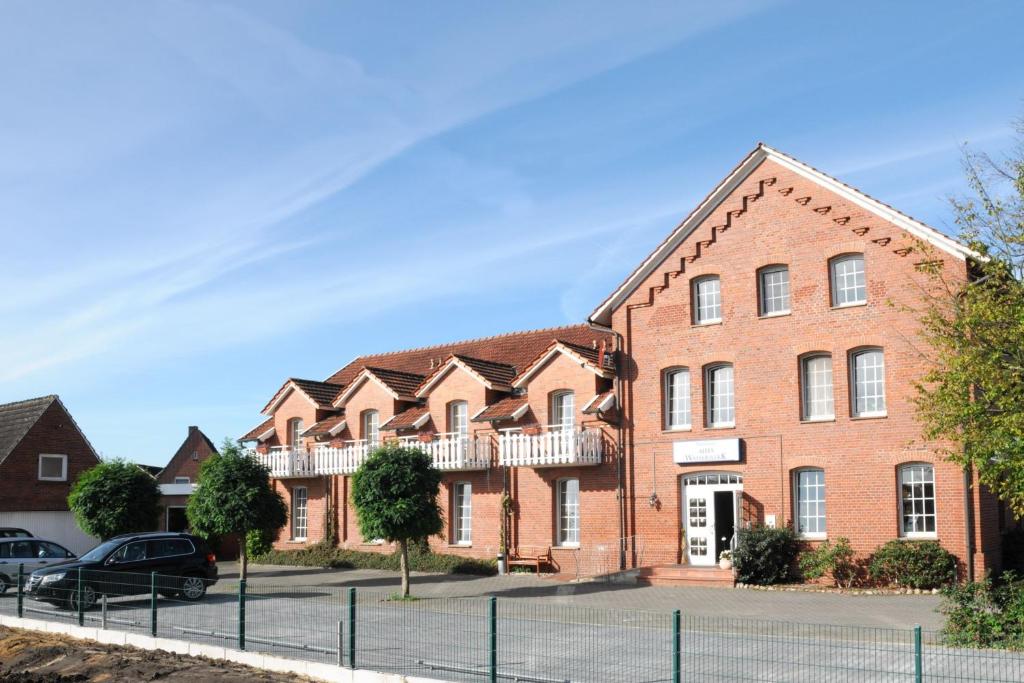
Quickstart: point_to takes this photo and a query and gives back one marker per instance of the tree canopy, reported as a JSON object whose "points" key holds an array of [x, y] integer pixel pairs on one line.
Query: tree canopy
{"points": [[974, 396], [395, 495], [234, 496], [115, 497]]}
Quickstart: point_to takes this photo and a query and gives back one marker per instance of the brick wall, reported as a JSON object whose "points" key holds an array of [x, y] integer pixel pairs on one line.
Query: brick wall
{"points": [[188, 458]]}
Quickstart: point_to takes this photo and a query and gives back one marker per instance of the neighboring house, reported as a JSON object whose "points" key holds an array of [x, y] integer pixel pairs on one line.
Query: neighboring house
{"points": [[42, 452], [151, 470], [178, 479], [757, 367]]}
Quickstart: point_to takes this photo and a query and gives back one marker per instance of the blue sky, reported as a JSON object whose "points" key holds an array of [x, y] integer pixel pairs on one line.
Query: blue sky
{"points": [[200, 199]]}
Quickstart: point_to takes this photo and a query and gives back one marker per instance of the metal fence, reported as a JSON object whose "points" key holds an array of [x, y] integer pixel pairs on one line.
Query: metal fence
{"points": [[491, 639]]}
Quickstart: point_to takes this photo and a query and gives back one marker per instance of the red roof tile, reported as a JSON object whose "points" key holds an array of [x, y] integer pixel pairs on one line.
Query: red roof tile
{"points": [[501, 410], [405, 419], [324, 426], [260, 429]]}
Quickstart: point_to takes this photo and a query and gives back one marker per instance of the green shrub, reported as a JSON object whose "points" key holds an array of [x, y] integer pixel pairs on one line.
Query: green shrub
{"points": [[984, 614], [913, 564], [258, 542], [325, 555], [764, 555], [828, 558]]}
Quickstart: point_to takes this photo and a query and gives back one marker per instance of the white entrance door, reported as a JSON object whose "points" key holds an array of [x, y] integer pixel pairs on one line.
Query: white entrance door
{"points": [[710, 514]]}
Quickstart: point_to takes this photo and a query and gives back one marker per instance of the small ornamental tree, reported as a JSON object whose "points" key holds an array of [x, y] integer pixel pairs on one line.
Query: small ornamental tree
{"points": [[234, 496], [395, 496], [114, 498]]}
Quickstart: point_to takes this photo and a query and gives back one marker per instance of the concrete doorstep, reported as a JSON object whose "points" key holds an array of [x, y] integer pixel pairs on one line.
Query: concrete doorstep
{"points": [[315, 670]]}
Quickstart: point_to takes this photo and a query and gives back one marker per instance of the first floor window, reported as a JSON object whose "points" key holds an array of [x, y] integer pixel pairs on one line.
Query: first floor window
{"points": [[809, 501], [720, 396], [569, 512], [868, 383], [707, 300], [848, 285], [53, 467], [677, 399], [463, 514], [818, 402], [917, 500], [300, 513], [774, 286]]}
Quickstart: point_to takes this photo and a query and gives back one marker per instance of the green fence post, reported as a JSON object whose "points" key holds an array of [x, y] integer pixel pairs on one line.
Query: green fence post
{"points": [[21, 590], [918, 674], [81, 607], [152, 604], [676, 637], [493, 633], [241, 614], [352, 628]]}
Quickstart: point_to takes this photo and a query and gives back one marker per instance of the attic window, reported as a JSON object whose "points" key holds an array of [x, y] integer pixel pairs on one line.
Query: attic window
{"points": [[53, 467], [195, 455]]}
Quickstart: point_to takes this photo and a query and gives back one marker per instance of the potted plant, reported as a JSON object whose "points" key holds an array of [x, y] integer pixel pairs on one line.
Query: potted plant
{"points": [[725, 559]]}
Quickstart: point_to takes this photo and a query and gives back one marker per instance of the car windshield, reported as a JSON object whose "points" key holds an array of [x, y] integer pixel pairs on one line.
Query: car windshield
{"points": [[100, 551]]}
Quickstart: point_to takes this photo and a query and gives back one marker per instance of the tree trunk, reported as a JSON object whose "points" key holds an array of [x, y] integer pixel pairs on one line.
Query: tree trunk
{"points": [[243, 559], [403, 549]]}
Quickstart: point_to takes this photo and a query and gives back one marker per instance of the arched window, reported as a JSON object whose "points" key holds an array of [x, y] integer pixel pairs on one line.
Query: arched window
{"points": [[371, 426], [719, 395], [917, 500], [295, 429], [707, 300], [809, 502], [867, 383], [677, 398], [848, 284], [817, 400], [458, 418], [563, 410], [773, 285]]}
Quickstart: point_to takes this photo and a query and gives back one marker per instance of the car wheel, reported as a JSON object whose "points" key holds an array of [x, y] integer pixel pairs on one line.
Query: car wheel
{"points": [[193, 588], [88, 598]]}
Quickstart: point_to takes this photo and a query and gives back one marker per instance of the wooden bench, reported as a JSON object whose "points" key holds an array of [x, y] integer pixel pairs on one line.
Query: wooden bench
{"points": [[530, 557]]}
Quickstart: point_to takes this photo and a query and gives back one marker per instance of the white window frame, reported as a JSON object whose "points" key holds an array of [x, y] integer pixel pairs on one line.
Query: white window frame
{"points": [[63, 467], [568, 534], [799, 500], [714, 305], [458, 418], [305, 513], [901, 472], [762, 290], [182, 480], [684, 401], [462, 513], [834, 281], [709, 395], [370, 425], [563, 410], [295, 429], [855, 393], [806, 388]]}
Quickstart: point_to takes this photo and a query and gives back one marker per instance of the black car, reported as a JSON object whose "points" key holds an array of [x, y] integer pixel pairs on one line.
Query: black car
{"points": [[124, 565], [13, 532]]}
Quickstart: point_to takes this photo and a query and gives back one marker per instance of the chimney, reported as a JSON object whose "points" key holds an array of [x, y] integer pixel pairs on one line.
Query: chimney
{"points": [[601, 352], [193, 430]]}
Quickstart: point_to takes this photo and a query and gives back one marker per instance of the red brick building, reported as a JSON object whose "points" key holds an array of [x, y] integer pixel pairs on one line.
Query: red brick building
{"points": [[178, 479], [42, 452], [758, 366]]}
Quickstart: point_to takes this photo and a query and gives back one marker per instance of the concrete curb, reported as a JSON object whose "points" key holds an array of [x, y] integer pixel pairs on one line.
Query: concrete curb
{"points": [[316, 670]]}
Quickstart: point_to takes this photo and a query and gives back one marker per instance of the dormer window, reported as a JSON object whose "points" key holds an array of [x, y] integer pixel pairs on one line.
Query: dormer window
{"points": [[295, 429], [563, 410], [458, 418], [371, 427]]}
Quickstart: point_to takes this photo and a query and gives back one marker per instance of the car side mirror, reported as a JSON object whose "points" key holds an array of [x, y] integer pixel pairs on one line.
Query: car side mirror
{"points": [[110, 561]]}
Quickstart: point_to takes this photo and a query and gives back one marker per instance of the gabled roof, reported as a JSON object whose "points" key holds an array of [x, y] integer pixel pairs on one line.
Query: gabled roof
{"points": [[411, 418], [587, 357], [602, 314], [320, 394], [400, 385], [16, 419], [260, 432], [508, 408], [152, 470], [331, 425], [497, 376]]}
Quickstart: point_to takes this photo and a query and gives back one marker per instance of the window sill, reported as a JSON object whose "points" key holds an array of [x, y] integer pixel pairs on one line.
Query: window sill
{"points": [[812, 537], [677, 430], [53, 480], [721, 426], [460, 545], [769, 316], [919, 537], [817, 420], [879, 416], [845, 306], [709, 323], [567, 546], [296, 541]]}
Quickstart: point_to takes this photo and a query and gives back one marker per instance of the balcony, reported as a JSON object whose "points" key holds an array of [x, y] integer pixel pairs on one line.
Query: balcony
{"points": [[554, 447], [454, 451], [286, 462]]}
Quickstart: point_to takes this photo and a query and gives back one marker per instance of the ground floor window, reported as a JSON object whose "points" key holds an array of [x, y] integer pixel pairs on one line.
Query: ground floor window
{"points": [[917, 500], [569, 512], [300, 513], [462, 514], [809, 502]]}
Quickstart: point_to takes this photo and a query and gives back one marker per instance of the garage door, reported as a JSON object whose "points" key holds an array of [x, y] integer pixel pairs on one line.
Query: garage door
{"points": [[58, 527]]}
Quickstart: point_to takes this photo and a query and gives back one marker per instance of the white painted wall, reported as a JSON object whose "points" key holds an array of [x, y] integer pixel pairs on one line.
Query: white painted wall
{"points": [[58, 527]]}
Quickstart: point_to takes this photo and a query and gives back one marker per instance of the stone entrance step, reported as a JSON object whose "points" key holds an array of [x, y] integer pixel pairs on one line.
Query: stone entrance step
{"points": [[685, 575]]}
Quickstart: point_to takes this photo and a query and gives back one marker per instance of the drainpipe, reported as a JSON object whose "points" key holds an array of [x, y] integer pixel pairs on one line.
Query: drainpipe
{"points": [[969, 522], [620, 461]]}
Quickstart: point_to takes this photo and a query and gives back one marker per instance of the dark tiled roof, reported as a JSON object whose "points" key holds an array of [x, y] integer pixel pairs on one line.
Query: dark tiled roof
{"points": [[17, 418], [321, 392], [405, 419], [324, 426], [590, 353], [402, 383], [516, 350], [256, 431], [496, 373], [502, 410]]}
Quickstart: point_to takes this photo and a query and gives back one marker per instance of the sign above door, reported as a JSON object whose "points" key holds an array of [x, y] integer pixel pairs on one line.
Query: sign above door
{"points": [[710, 450]]}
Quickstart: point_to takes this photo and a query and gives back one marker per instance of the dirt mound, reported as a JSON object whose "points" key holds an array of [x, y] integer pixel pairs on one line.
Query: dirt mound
{"points": [[36, 657]]}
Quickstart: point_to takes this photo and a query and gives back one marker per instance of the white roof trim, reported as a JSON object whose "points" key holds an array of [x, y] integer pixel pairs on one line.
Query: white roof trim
{"points": [[602, 314], [543, 360], [446, 369], [607, 403], [266, 435], [337, 429], [359, 381], [283, 394]]}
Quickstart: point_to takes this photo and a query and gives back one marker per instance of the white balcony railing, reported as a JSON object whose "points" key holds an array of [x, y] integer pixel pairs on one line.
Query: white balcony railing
{"points": [[553, 447], [288, 462], [454, 451]]}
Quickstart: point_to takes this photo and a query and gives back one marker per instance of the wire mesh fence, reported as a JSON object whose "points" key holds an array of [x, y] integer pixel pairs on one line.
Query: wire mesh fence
{"points": [[490, 639]]}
